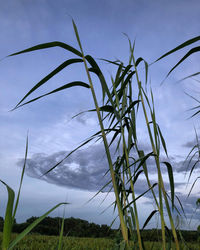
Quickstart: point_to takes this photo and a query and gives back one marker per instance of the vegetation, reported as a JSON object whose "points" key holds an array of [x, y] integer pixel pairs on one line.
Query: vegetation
{"points": [[125, 96], [72, 227], [82, 228], [35, 242]]}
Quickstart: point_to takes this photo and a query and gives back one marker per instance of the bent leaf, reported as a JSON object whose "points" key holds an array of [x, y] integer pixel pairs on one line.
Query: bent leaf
{"points": [[66, 86], [46, 78], [49, 45], [58, 163], [149, 218], [155, 184], [171, 180], [187, 43], [193, 50]]}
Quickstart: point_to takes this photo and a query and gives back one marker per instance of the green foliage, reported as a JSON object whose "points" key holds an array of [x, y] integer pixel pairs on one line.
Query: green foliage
{"points": [[124, 96], [72, 227], [42, 242], [10, 213], [198, 234], [1, 224]]}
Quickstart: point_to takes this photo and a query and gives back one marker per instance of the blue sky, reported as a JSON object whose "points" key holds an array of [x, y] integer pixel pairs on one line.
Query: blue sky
{"points": [[157, 28]]}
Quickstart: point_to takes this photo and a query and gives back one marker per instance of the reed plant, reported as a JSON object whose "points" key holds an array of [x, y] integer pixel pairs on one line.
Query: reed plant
{"points": [[124, 96]]}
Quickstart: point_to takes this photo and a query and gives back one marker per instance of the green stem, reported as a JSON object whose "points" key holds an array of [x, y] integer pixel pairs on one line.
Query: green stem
{"points": [[161, 210], [128, 168], [112, 172], [160, 179]]}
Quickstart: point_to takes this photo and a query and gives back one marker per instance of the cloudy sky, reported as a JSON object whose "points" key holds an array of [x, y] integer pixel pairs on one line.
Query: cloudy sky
{"points": [[157, 26]]}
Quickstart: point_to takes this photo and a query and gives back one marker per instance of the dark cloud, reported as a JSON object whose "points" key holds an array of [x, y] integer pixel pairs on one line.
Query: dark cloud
{"points": [[190, 144], [86, 168], [189, 206], [186, 166]]}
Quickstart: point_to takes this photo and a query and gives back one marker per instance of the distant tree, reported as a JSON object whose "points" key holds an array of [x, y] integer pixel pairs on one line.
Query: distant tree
{"points": [[18, 228], [198, 233], [31, 220], [105, 231], [1, 223]]}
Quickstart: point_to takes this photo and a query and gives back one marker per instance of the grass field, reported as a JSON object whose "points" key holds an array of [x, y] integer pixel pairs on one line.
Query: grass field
{"points": [[35, 242]]}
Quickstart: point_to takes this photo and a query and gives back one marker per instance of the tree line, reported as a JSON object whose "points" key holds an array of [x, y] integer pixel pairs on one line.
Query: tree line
{"points": [[82, 228]]}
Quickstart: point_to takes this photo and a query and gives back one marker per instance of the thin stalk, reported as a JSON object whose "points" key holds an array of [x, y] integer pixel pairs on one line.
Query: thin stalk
{"points": [[131, 182], [133, 194], [140, 153], [157, 163], [160, 180], [112, 172], [129, 172]]}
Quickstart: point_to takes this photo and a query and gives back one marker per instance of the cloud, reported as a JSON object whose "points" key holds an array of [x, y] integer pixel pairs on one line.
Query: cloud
{"points": [[187, 166], [84, 169], [190, 144], [191, 211]]}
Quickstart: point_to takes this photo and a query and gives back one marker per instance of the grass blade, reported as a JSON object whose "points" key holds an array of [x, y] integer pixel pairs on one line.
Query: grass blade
{"points": [[149, 218], [181, 46], [126, 70], [190, 76], [193, 50], [49, 76], [34, 224], [60, 242], [193, 186], [77, 36], [140, 59], [171, 180], [8, 222], [162, 140], [49, 45], [155, 184], [66, 86], [105, 108], [22, 175], [180, 203], [58, 163]]}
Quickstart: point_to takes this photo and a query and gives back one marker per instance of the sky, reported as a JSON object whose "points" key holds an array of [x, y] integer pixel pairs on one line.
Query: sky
{"points": [[156, 26]]}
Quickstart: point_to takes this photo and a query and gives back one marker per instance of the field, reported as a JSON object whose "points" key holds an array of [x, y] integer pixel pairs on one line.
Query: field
{"points": [[35, 242]]}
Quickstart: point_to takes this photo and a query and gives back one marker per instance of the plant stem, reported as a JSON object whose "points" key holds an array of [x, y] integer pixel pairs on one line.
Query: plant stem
{"points": [[112, 172], [160, 179]]}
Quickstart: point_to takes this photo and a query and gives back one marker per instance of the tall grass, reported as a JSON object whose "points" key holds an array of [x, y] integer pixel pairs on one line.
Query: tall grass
{"points": [[11, 209], [124, 97]]}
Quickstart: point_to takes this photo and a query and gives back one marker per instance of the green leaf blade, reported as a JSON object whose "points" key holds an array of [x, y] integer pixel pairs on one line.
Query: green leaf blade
{"points": [[171, 180], [181, 46], [193, 50], [149, 218], [34, 224], [66, 86], [49, 45], [49, 76], [8, 222]]}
